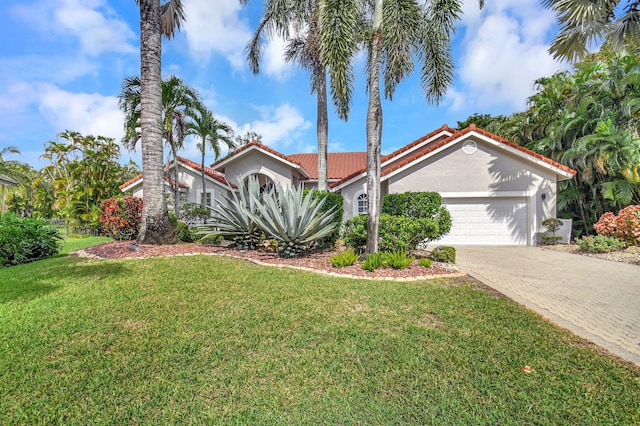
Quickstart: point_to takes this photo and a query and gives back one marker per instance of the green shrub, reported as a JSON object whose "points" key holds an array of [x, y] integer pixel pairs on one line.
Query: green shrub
{"points": [[552, 224], [599, 244], [26, 239], [419, 205], [346, 258], [424, 262], [444, 254], [183, 232], [373, 262], [335, 201], [395, 232], [398, 259]]}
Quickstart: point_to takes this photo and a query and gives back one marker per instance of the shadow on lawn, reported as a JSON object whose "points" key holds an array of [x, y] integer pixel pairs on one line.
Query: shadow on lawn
{"points": [[31, 281]]}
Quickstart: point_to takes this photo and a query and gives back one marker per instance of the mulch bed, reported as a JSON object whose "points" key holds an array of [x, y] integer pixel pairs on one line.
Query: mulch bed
{"points": [[317, 261]]}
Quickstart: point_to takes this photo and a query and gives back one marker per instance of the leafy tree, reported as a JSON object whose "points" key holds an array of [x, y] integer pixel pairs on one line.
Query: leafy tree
{"points": [[395, 34], [583, 23], [211, 132], [9, 169]]}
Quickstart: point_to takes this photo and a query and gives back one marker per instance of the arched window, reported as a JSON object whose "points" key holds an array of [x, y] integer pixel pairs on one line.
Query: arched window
{"points": [[362, 203]]}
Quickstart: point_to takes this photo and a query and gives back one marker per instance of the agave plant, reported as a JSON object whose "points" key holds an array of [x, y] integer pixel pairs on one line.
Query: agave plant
{"points": [[293, 220], [236, 218]]}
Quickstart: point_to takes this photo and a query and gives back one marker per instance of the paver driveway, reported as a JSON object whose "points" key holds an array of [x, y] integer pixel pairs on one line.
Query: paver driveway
{"points": [[594, 298]]}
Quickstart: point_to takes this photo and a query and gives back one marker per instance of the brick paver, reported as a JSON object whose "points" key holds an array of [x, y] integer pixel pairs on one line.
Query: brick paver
{"points": [[594, 298]]}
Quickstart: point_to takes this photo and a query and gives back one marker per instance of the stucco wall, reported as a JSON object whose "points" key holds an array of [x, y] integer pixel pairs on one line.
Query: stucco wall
{"points": [[256, 162]]}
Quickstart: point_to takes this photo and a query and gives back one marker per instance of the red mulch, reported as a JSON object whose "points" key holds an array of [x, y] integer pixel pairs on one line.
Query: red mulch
{"points": [[319, 261]]}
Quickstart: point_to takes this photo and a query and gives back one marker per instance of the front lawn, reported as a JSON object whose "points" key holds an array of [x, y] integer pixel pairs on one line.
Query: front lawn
{"points": [[214, 340]]}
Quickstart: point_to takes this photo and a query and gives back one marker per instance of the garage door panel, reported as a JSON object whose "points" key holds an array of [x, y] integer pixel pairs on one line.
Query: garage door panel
{"points": [[487, 221]]}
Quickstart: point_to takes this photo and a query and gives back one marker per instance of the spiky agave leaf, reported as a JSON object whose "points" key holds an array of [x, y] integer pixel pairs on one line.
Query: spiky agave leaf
{"points": [[292, 219], [235, 219]]}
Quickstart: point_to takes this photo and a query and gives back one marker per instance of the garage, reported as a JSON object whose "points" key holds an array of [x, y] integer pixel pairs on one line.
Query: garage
{"points": [[487, 221]]}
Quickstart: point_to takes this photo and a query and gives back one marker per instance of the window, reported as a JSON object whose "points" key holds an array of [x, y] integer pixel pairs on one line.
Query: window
{"points": [[207, 198], [362, 203]]}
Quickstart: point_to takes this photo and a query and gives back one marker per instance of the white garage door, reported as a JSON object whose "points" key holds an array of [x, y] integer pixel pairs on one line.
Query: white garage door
{"points": [[486, 221]]}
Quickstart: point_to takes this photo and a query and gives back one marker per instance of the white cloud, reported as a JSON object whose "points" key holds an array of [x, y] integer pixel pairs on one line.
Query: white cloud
{"points": [[91, 22], [279, 127], [504, 52], [215, 26], [273, 62], [86, 113]]}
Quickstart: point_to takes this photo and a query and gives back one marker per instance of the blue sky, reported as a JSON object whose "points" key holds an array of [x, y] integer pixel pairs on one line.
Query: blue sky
{"points": [[62, 63]]}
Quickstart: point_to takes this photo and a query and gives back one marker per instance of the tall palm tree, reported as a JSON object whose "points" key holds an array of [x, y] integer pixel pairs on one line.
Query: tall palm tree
{"points": [[212, 132], [156, 20], [179, 102], [303, 48], [397, 32], [582, 23]]}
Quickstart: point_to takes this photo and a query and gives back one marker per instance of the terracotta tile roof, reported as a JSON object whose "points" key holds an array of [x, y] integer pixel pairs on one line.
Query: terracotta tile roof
{"points": [[442, 142], [213, 174], [428, 136], [339, 164]]}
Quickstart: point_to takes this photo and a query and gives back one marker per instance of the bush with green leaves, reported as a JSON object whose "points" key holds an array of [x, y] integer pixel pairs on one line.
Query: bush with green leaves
{"points": [[26, 239], [398, 259], [395, 232], [599, 244], [335, 202], [552, 224], [346, 258], [294, 220], [373, 261], [419, 205], [425, 263], [444, 254], [184, 233]]}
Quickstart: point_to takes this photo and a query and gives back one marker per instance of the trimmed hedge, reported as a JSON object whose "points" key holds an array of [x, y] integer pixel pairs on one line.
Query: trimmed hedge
{"points": [[24, 240]]}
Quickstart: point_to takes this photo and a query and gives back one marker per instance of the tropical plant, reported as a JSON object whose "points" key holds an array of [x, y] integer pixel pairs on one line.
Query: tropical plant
{"points": [[373, 262], [120, 217], [425, 263], [211, 132], [156, 20], [303, 48], [584, 23], [345, 258], [247, 138], [294, 220], [398, 259], [395, 32], [237, 217], [335, 202]]}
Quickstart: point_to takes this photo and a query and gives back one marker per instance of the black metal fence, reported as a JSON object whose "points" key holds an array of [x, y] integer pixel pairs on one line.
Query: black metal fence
{"points": [[67, 228]]}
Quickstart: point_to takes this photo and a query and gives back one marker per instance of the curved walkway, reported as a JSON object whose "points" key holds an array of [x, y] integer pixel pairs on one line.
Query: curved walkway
{"points": [[594, 298]]}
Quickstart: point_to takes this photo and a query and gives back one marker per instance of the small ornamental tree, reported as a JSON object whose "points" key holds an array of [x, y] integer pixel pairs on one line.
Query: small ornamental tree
{"points": [[120, 218]]}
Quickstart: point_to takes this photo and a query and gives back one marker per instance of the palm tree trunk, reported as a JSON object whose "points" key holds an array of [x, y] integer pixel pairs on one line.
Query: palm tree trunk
{"points": [[374, 135], [155, 228], [176, 184], [204, 187], [322, 127]]}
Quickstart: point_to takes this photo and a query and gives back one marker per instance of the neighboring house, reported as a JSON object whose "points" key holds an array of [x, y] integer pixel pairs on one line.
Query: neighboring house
{"points": [[497, 192]]}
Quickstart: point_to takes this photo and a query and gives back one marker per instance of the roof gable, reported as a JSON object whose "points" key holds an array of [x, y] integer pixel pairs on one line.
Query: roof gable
{"points": [[391, 167], [339, 164], [257, 146]]}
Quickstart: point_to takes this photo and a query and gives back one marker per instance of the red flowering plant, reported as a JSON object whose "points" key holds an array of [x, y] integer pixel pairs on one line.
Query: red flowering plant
{"points": [[120, 218], [625, 226]]}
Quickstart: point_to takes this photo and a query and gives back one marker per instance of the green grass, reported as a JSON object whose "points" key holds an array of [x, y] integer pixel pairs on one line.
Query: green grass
{"points": [[70, 244], [213, 340]]}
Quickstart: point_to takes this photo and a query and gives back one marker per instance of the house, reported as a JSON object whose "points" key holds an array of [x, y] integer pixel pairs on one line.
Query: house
{"points": [[498, 192]]}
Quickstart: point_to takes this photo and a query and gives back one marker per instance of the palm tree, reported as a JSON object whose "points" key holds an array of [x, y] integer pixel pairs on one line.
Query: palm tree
{"points": [[304, 49], [8, 170], [179, 102], [582, 23], [397, 31], [212, 132], [156, 20]]}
